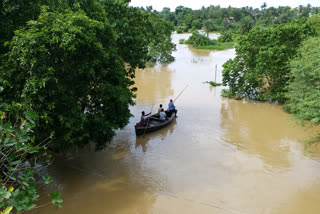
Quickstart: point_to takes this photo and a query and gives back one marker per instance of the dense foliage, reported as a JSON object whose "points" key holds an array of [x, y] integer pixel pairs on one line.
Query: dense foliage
{"points": [[304, 89], [73, 65], [225, 36], [197, 39], [20, 161], [239, 20], [260, 69], [200, 41]]}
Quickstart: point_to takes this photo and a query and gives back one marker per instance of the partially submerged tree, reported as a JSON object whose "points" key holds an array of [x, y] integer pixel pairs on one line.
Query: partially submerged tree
{"points": [[260, 69], [304, 87]]}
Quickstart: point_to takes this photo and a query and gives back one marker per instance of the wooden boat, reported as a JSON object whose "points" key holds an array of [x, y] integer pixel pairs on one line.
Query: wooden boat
{"points": [[153, 124]]}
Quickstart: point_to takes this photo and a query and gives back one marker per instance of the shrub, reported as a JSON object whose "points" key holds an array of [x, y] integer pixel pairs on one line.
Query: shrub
{"points": [[19, 161]]}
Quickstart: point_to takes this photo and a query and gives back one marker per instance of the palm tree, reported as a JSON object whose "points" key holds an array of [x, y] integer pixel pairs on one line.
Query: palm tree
{"points": [[300, 8], [263, 6], [207, 26]]}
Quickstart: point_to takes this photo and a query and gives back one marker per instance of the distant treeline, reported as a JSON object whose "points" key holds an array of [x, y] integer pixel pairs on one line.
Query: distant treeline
{"points": [[216, 18]]}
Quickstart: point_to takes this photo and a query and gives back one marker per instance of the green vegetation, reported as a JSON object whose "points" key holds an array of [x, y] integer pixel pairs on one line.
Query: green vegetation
{"points": [[200, 41], [238, 20], [218, 46], [67, 72], [279, 63], [260, 69], [213, 83], [72, 64], [234, 22], [197, 39], [21, 159], [225, 36], [304, 88]]}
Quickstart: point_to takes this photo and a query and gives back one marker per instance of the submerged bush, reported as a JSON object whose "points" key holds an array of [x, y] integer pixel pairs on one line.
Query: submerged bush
{"points": [[197, 39]]}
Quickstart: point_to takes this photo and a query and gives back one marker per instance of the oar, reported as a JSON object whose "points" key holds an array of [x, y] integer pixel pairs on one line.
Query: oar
{"points": [[147, 122], [180, 93]]}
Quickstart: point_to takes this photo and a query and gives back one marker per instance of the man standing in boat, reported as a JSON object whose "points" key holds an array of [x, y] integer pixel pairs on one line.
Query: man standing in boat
{"points": [[143, 118], [172, 108]]}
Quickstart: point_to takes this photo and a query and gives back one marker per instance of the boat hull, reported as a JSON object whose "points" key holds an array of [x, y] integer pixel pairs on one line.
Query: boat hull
{"points": [[153, 124]]}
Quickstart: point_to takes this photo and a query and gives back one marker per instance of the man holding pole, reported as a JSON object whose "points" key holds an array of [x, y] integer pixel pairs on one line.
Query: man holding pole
{"points": [[172, 108]]}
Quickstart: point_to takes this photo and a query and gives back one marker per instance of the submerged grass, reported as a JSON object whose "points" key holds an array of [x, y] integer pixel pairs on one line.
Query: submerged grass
{"points": [[212, 83], [218, 46]]}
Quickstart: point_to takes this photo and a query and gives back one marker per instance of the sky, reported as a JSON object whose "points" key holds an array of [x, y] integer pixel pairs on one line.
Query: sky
{"points": [[197, 4]]}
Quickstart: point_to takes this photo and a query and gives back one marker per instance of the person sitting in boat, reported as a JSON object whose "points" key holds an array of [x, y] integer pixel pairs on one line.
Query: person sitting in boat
{"points": [[172, 108], [160, 109], [163, 115], [143, 118]]}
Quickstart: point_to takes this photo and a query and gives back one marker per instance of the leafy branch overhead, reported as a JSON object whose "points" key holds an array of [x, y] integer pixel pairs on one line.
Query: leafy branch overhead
{"points": [[20, 160]]}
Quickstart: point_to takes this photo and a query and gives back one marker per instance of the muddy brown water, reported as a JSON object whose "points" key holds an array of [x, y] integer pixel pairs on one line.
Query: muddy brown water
{"points": [[219, 156]]}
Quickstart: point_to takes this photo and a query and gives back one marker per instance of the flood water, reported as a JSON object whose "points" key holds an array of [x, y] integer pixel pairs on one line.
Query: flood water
{"points": [[219, 156]]}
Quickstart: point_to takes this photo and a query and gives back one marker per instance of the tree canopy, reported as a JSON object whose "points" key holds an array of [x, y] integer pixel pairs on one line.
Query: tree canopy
{"points": [[240, 20], [304, 89], [260, 69], [74, 63], [66, 78]]}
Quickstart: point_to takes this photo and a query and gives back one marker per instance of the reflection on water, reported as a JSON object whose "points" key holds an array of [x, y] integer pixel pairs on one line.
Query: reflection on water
{"points": [[251, 127], [161, 134], [220, 156]]}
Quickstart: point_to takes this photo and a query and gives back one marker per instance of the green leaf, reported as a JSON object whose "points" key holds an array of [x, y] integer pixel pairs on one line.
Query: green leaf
{"points": [[16, 193], [56, 199], [31, 116], [47, 179]]}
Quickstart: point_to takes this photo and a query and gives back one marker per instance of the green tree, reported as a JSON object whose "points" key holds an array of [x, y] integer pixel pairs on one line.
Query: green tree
{"points": [[13, 15], [160, 45], [20, 160], [260, 69], [61, 70], [227, 25], [264, 6], [196, 24], [167, 15], [214, 12], [74, 66], [226, 36], [197, 39], [283, 18], [315, 21], [246, 24], [208, 26], [304, 89]]}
